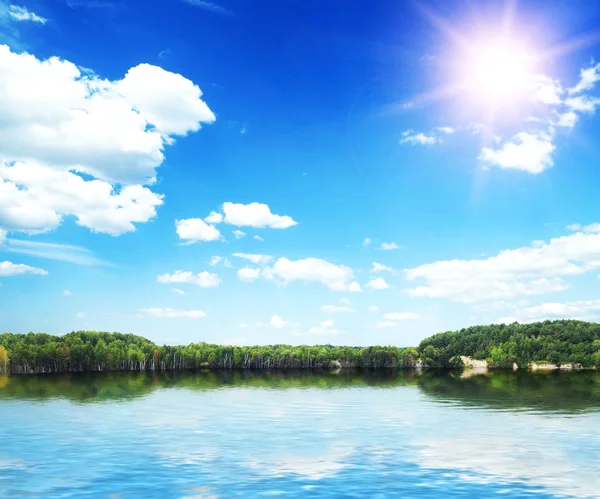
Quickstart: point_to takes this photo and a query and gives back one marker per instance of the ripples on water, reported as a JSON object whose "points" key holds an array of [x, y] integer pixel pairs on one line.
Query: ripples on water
{"points": [[354, 435]]}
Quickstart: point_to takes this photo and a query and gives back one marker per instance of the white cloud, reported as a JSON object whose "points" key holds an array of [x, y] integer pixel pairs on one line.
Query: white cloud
{"points": [[378, 284], [80, 315], [196, 229], [583, 103], [345, 301], [335, 277], [22, 14], [445, 129], [366, 241], [215, 260], [238, 234], [581, 310], [337, 309], [258, 238], [379, 267], [389, 246], [2, 237], [588, 78], [548, 91], [255, 258], [171, 313], [178, 291], [53, 251], [325, 328], [277, 322], [373, 308], [255, 215], [203, 279], [248, 274], [9, 269], [57, 121], [66, 292], [35, 198], [530, 152], [520, 272], [401, 316], [414, 138], [214, 218], [567, 119], [55, 114]]}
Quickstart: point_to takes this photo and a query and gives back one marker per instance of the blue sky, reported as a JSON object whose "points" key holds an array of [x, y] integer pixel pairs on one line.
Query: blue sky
{"points": [[367, 172]]}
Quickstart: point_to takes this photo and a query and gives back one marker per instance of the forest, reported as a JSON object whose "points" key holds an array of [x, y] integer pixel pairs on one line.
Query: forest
{"points": [[95, 351], [557, 342]]}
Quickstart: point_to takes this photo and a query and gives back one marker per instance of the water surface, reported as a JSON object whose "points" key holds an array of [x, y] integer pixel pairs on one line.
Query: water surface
{"points": [[211, 434]]}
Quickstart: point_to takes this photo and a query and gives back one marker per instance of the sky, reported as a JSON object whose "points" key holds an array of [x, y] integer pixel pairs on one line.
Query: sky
{"points": [[300, 172]]}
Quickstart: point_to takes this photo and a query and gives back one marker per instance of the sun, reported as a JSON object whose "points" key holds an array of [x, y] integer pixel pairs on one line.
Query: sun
{"points": [[497, 72]]}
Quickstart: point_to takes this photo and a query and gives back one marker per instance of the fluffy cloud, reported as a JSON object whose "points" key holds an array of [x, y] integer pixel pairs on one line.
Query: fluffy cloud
{"points": [[238, 234], [379, 267], [389, 246], [325, 328], [172, 313], [34, 198], [581, 310], [248, 274], [373, 308], [255, 215], [58, 121], [392, 319], [337, 309], [588, 77], [9, 269], [277, 322], [215, 260], [335, 277], [366, 241], [203, 279], [414, 138], [22, 14], [114, 130], [378, 283], [214, 218], [531, 270], [530, 152], [193, 230], [255, 258], [80, 315], [258, 238]]}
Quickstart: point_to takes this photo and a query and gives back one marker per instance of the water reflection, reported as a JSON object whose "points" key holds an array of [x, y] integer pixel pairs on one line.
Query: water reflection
{"points": [[544, 391], [349, 434]]}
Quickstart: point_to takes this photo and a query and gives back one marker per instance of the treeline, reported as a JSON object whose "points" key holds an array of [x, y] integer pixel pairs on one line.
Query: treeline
{"points": [[95, 351], [555, 342]]}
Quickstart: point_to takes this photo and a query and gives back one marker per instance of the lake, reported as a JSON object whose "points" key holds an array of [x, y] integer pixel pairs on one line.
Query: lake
{"points": [[211, 434]]}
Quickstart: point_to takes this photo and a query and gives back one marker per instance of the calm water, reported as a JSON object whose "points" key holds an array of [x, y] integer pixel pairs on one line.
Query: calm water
{"points": [[354, 435]]}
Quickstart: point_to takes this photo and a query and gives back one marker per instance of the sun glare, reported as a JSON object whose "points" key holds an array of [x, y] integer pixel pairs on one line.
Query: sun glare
{"points": [[497, 72]]}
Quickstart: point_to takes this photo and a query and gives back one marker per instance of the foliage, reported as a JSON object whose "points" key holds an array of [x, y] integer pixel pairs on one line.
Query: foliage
{"points": [[94, 351], [558, 342], [4, 360]]}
